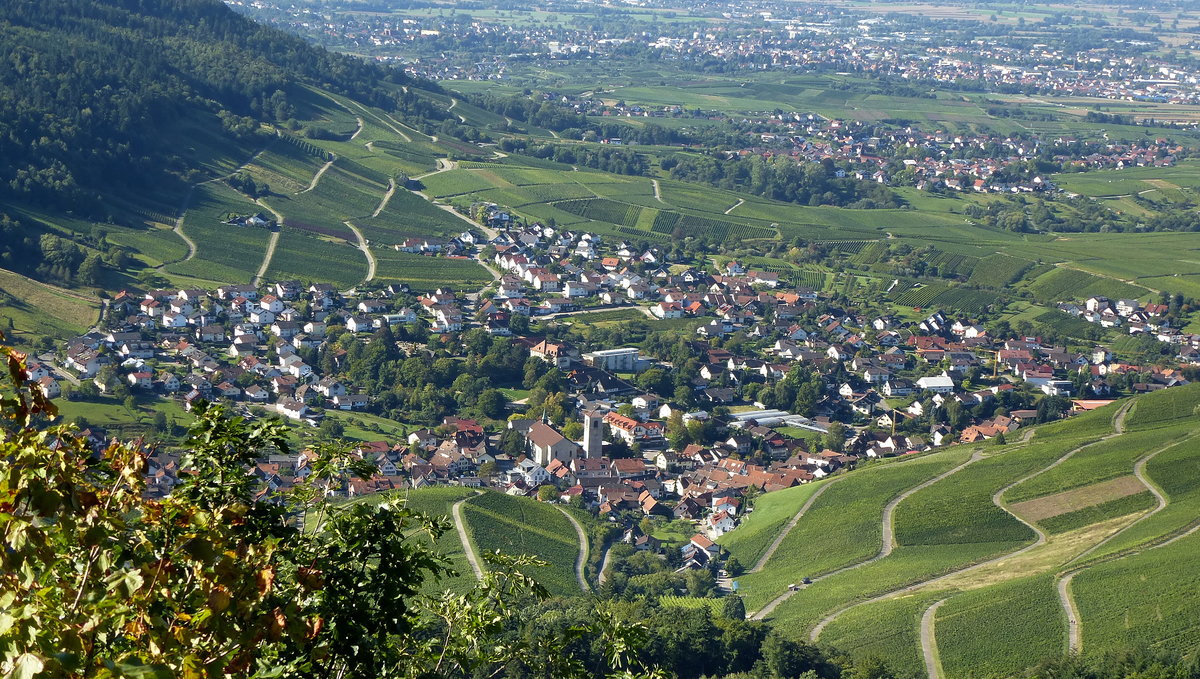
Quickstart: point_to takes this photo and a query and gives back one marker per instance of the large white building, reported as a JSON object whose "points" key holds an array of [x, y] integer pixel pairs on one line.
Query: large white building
{"points": [[614, 360]]}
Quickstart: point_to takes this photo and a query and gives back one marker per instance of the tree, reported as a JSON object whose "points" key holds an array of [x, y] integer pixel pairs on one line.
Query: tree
{"points": [[212, 582], [733, 566], [492, 403], [547, 493], [331, 429], [733, 607], [835, 437]]}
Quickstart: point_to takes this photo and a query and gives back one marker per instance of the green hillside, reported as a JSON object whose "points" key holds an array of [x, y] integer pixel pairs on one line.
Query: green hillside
{"points": [[1096, 513]]}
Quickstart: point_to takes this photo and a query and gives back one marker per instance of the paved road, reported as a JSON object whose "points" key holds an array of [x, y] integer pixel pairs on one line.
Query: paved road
{"points": [[317, 177], [603, 575], [657, 192], [581, 559], [362, 245], [736, 205], [271, 243], [387, 196], [468, 547], [933, 665]]}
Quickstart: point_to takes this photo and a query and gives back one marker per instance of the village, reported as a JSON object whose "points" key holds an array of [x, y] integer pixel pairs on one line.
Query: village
{"points": [[776, 386], [777, 35]]}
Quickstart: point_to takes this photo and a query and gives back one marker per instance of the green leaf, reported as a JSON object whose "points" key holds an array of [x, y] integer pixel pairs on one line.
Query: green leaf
{"points": [[138, 671], [27, 666]]}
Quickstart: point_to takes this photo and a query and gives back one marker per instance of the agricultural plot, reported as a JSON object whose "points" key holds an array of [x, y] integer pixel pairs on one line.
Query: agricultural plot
{"points": [[436, 502], [306, 258], [1063, 284], [223, 253], [888, 629], [1095, 463], [43, 309], [1065, 324], [284, 167], [844, 525], [499, 522], [960, 510], [1176, 471], [428, 273], [153, 245], [456, 183], [1156, 613], [921, 297], [1000, 630], [407, 215], [907, 565], [760, 527], [603, 210], [1124, 506], [998, 271], [1164, 407]]}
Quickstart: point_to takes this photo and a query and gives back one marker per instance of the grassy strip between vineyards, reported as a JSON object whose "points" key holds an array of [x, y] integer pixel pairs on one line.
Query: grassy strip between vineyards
{"points": [[761, 526], [499, 522], [1130, 504]]}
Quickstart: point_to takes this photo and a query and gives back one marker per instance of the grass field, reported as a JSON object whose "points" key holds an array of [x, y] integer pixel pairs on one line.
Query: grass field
{"points": [[771, 513], [39, 309]]}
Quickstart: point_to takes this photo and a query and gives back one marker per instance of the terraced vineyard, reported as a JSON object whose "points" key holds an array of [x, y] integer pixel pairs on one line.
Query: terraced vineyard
{"points": [[1096, 531], [496, 521]]}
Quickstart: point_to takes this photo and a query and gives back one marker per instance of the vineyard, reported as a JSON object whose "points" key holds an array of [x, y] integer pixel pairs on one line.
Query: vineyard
{"points": [[961, 298], [603, 210], [1061, 284], [919, 297], [428, 273], [952, 264], [997, 271]]}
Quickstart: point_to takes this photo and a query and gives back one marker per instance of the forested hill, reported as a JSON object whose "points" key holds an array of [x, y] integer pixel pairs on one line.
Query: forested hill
{"points": [[91, 91]]}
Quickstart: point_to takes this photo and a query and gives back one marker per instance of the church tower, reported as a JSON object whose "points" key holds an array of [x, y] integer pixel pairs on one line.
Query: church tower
{"points": [[593, 434]]}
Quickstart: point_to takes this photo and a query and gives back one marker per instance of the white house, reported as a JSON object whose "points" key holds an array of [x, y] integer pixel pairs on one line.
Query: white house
{"points": [[938, 384]]}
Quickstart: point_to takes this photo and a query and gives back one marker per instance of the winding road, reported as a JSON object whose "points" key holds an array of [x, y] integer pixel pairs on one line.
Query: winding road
{"points": [[603, 574], [933, 664], [317, 177], [362, 245], [468, 547], [271, 243], [387, 196], [581, 560], [178, 228], [736, 205], [885, 549]]}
